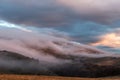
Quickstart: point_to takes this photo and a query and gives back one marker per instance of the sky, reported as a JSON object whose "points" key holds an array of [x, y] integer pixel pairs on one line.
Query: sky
{"points": [[91, 22]]}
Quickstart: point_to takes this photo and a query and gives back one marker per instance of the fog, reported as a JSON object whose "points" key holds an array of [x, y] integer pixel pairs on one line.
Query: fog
{"points": [[40, 43], [46, 51]]}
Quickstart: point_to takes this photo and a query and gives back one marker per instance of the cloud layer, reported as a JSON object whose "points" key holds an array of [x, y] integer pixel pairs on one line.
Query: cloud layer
{"points": [[41, 44], [96, 10], [60, 12], [84, 20]]}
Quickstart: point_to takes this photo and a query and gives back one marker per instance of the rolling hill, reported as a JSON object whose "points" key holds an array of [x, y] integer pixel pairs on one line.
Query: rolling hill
{"points": [[79, 66]]}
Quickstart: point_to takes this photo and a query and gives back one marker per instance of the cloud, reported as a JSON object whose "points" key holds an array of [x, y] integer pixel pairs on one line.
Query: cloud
{"points": [[84, 20], [109, 41], [41, 13], [51, 53], [40, 44], [59, 13], [85, 32], [96, 10], [27, 42]]}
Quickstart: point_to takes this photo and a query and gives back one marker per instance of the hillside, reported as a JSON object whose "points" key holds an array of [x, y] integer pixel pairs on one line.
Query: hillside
{"points": [[80, 66], [23, 51]]}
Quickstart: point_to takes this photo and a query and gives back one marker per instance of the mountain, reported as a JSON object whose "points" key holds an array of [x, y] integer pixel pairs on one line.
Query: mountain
{"points": [[71, 65], [43, 51]]}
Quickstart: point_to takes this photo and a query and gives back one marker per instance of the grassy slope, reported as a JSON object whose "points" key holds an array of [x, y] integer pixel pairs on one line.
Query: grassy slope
{"points": [[30, 77]]}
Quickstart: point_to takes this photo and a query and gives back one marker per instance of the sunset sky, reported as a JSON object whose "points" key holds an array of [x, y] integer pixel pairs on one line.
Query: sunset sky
{"points": [[92, 22]]}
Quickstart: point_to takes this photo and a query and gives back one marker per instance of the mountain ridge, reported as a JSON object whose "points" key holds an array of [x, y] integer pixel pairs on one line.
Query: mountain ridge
{"points": [[78, 67]]}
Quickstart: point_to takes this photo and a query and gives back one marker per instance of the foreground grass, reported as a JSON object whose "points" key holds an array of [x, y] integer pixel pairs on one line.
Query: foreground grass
{"points": [[30, 77]]}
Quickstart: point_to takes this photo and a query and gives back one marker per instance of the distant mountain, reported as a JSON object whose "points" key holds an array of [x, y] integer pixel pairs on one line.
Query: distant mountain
{"points": [[14, 63], [80, 66]]}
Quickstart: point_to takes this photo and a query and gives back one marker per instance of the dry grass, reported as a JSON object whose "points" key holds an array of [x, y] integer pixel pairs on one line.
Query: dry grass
{"points": [[30, 77]]}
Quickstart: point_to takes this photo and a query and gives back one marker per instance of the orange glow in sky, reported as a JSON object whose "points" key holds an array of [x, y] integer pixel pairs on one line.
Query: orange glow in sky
{"points": [[111, 40]]}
